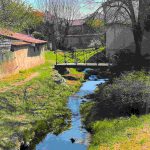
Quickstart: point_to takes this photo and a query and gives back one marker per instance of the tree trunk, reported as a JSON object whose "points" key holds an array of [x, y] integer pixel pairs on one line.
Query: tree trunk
{"points": [[64, 37], [138, 38], [53, 37], [54, 47]]}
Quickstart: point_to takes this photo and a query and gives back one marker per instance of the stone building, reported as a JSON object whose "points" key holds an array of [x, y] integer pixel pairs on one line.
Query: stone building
{"points": [[19, 52], [80, 35]]}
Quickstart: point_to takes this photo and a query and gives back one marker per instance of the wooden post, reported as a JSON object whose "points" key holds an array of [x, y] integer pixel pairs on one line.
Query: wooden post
{"points": [[97, 56], [84, 56], [56, 58], [76, 57], [65, 57]]}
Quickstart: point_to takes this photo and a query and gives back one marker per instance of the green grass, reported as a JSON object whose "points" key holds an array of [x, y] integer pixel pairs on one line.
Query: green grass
{"points": [[109, 132], [35, 108]]}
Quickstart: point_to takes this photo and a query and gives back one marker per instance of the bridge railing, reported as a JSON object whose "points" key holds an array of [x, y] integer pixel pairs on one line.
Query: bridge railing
{"points": [[80, 56]]}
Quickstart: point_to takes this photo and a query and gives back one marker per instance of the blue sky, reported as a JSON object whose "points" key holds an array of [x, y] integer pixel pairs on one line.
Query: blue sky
{"points": [[84, 9]]}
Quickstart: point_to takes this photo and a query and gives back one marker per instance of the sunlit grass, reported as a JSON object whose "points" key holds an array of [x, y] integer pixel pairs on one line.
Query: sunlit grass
{"points": [[121, 134]]}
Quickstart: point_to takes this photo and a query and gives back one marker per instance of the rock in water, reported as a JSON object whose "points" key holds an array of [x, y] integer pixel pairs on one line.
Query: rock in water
{"points": [[58, 78], [24, 146], [72, 140]]}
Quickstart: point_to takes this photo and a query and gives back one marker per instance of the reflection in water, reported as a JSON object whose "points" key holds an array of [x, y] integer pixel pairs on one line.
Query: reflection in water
{"points": [[77, 132]]}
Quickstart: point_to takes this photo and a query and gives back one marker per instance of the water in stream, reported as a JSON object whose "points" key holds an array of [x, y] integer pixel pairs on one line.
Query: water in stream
{"points": [[77, 130]]}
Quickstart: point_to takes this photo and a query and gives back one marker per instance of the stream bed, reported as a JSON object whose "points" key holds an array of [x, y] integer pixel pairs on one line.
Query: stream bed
{"points": [[77, 131]]}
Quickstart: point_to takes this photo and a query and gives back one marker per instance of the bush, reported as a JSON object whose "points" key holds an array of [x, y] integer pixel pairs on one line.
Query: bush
{"points": [[125, 60], [127, 95], [95, 43], [38, 35]]}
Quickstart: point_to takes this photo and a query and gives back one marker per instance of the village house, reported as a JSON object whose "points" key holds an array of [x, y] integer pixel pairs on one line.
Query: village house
{"points": [[80, 35], [19, 52]]}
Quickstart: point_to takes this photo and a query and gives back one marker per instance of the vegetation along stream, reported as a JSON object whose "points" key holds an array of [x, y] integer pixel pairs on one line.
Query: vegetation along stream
{"points": [[76, 137]]}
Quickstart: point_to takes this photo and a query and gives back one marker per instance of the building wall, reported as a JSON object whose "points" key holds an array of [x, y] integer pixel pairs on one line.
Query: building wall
{"points": [[121, 37], [22, 58], [81, 41], [80, 36], [80, 30], [74, 30], [118, 37]]}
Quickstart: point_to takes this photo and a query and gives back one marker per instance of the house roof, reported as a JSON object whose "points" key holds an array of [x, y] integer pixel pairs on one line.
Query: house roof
{"points": [[20, 43], [38, 13], [78, 22], [20, 36]]}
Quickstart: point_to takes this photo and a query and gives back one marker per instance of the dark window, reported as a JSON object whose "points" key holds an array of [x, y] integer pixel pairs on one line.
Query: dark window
{"points": [[34, 48], [12, 49]]}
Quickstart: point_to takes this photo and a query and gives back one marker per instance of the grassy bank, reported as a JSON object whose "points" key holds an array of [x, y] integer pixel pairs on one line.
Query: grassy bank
{"points": [[119, 133], [34, 108]]}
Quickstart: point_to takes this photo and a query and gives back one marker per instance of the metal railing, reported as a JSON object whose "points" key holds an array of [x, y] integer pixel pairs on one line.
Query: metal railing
{"points": [[80, 56]]}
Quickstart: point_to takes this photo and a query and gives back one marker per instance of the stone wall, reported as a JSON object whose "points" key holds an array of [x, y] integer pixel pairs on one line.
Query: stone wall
{"points": [[23, 57], [121, 37], [80, 30], [81, 41]]}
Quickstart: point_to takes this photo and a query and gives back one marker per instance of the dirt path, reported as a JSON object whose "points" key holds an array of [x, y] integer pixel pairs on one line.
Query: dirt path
{"points": [[2, 90]]}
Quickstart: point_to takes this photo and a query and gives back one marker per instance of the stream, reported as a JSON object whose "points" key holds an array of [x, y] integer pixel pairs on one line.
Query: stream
{"points": [[77, 131]]}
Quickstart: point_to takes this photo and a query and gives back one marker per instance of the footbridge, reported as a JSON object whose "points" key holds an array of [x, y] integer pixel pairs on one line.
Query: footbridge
{"points": [[90, 58]]}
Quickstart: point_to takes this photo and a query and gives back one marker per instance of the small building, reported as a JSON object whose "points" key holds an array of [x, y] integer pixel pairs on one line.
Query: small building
{"points": [[80, 35], [19, 52]]}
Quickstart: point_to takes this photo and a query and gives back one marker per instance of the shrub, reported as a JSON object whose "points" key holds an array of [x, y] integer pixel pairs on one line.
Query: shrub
{"points": [[127, 95], [38, 35], [95, 43], [125, 60]]}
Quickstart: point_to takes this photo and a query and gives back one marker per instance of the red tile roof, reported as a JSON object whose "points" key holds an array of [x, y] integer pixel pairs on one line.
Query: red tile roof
{"points": [[20, 36], [38, 13], [20, 43], [78, 22]]}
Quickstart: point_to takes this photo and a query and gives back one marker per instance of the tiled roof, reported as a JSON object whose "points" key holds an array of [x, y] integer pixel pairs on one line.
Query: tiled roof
{"points": [[38, 13], [20, 36], [20, 43], [78, 22]]}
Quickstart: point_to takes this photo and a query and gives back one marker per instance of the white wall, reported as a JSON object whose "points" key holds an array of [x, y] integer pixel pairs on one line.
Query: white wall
{"points": [[118, 37], [121, 37], [81, 41]]}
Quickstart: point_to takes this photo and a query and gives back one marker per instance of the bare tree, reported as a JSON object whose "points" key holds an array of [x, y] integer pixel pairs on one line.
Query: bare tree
{"points": [[59, 15], [133, 12]]}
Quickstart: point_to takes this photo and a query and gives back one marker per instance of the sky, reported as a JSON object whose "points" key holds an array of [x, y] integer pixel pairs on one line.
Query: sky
{"points": [[85, 9]]}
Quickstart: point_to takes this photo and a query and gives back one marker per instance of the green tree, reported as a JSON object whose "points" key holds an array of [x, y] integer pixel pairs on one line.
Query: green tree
{"points": [[17, 15]]}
